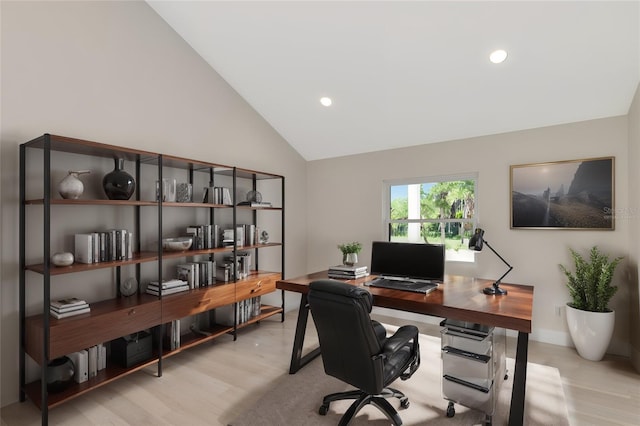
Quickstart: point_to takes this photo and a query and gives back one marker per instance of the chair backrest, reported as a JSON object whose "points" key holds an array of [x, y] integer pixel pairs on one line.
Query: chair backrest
{"points": [[348, 341]]}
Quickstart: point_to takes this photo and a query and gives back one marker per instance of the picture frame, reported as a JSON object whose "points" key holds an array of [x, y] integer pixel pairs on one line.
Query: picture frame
{"points": [[567, 195]]}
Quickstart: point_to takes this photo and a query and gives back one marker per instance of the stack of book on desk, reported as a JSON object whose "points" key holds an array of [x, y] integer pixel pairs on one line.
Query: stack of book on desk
{"points": [[168, 287], [68, 307], [345, 272]]}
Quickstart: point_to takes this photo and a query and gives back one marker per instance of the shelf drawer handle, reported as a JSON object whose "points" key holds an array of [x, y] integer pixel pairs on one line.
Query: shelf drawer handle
{"points": [[132, 311]]}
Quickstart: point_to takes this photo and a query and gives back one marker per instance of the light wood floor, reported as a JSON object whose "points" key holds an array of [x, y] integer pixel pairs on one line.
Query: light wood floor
{"points": [[213, 383]]}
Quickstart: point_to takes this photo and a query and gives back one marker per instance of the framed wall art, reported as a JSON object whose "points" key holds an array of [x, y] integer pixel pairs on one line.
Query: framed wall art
{"points": [[575, 194]]}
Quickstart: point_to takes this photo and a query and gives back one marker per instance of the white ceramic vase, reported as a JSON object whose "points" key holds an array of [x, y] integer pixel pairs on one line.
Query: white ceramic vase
{"points": [[350, 259], [591, 332], [71, 187]]}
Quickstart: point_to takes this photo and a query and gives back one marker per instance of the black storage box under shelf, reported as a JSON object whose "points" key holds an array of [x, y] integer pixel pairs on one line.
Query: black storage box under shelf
{"points": [[130, 350]]}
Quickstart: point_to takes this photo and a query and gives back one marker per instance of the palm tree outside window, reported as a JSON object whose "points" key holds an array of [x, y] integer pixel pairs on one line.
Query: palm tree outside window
{"points": [[433, 210]]}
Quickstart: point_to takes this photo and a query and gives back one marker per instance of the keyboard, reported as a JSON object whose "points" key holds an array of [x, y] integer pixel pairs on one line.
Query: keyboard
{"points": [[405, 285]]}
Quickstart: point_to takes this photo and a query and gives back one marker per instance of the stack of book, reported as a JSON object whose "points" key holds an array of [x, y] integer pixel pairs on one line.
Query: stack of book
{"points": [[168, 287], [345, 272], [68, 307]]}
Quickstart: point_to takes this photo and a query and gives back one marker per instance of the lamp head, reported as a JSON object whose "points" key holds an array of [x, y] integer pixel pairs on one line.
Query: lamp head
{"points": [[477, 240]]}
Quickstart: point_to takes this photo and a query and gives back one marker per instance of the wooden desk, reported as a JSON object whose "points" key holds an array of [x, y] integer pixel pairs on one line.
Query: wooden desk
{"points": [[459, 298]]}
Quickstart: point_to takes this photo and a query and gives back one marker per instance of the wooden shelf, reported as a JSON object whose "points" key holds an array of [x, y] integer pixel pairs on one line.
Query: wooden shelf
{"points": [[85, 147], [88, 202], [46, 338], [108, 320], [259, 208], [190, 340], [142, 257], [108, 375], [266, 311]]}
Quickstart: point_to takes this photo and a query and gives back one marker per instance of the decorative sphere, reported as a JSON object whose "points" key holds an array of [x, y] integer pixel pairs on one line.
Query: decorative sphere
{"points": [[60, 375], [62, 259]]}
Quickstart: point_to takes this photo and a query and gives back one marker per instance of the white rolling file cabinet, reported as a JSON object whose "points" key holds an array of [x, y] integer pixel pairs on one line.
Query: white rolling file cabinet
{"points": [[473, 366]]}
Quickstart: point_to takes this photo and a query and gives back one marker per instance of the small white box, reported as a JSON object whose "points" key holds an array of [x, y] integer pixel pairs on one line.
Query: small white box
{"points": [[80, 361], [84, 248]]}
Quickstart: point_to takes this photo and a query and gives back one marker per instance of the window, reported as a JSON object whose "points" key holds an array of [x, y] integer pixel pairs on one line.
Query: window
{"points": [[440, 210]]}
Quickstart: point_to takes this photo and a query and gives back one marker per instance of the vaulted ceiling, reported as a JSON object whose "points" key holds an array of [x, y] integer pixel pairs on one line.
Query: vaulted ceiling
{"points": [[409, 73]]}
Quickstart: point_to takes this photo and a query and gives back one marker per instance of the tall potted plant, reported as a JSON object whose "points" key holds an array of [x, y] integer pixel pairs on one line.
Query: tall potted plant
{"points": [[589, 318], [350, 252]]}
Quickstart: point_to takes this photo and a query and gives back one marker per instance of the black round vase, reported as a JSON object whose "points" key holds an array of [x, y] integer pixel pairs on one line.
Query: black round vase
{"points": [[59, 374], [118, 184]]}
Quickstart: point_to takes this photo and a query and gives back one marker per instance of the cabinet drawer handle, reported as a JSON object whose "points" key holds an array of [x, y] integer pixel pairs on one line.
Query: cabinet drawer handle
{"points": [[132, 311]]}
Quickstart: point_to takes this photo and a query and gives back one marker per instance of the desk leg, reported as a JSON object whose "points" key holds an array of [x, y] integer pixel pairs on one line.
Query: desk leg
{"points": [[516, 414], [297, 360]]}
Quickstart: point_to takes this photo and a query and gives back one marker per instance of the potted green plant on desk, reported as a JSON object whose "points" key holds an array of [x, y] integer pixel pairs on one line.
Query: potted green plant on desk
{"points": [[350, 252], [589, 318]]}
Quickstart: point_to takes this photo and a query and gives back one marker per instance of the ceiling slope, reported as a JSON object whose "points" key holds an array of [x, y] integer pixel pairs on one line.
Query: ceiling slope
{"points": [[411, 73]]}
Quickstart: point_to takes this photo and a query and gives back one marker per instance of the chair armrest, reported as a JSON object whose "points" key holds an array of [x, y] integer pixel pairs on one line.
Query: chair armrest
{"points": [[401, 337]]}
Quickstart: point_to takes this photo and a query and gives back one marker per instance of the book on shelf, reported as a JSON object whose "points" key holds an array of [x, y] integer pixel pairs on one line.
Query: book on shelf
{"points": [[83, 252], [156, 292], [168, 283], [104, 246], [60, 315], [172, 335], [218, 195], [255, 203], [68, 309], [69, 302], [93, 361]]}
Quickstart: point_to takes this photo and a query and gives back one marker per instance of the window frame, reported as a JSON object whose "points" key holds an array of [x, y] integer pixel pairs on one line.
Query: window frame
{"points": [[386, 204]]}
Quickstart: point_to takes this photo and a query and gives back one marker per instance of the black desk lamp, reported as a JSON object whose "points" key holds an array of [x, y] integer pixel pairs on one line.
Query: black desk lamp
{"points": [[475, 243]]}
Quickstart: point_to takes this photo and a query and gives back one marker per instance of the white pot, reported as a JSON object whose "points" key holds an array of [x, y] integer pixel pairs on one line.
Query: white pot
{"points": [[350, 259], [71, 187], [590, 331]]}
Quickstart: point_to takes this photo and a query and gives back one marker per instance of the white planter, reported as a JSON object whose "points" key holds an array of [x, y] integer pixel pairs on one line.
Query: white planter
{"points": [[590, 331]]}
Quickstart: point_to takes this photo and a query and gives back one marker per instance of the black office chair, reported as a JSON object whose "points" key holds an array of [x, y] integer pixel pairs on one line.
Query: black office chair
{"points": [[355, 348]]}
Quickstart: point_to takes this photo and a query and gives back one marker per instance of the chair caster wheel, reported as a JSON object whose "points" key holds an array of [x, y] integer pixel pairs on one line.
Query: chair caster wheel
{"points": [[451, 410], [324, 409], [404, 402]]}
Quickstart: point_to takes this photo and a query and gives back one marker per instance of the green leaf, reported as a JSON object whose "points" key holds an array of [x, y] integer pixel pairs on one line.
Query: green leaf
{"points": [[590, 285]]}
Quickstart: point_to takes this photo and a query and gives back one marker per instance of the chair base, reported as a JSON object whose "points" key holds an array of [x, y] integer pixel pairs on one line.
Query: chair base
{"points": [[362, 399]]}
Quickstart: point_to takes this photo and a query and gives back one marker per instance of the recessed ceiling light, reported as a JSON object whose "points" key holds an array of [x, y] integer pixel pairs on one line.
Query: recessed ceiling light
{"points": [[498, 56], [326, 101]]}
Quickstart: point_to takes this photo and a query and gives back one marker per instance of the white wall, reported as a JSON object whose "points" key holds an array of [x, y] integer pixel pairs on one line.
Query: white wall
{"points": [[347, 205], [115, 72], [634, 234]]}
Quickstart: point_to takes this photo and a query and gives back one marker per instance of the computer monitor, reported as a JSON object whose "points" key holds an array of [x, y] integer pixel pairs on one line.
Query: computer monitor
{"points": [[410, 260]]}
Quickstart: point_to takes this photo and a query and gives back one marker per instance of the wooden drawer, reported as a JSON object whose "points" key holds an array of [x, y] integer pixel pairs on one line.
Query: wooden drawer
{"points": [[107, 320], [180, 305], [256, 285]]}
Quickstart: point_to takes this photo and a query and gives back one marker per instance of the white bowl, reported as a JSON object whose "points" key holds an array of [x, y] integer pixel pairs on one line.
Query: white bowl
{"points": [[177, 244]]}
